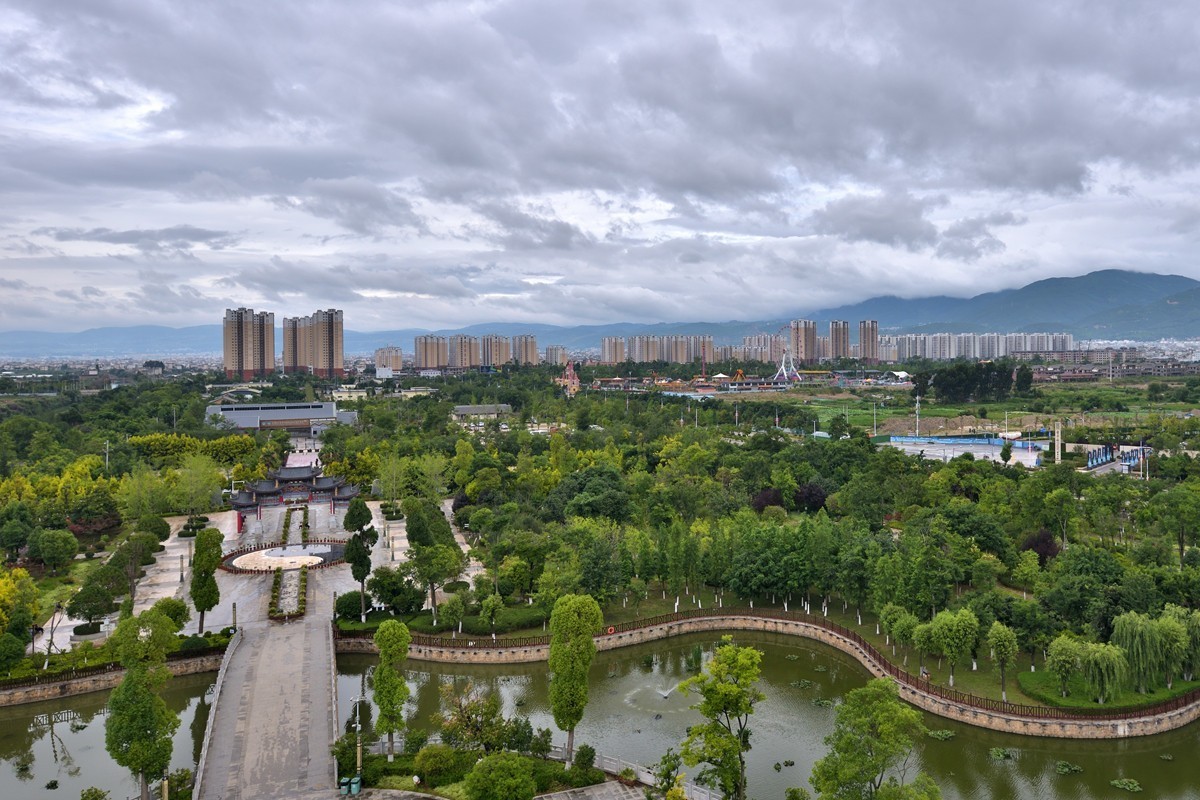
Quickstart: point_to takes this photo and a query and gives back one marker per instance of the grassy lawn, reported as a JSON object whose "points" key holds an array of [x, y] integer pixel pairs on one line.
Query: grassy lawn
{"points": [[1044, 684], [59, 588], [452, 791]]}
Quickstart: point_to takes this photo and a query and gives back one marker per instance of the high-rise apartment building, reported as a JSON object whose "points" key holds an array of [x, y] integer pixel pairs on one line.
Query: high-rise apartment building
{"points": [[868, 341], [314, 344], [464, 352], [802, 341], [612, 350], [495, 350], [556, 354], [839, 339], [249, 343], [764, 347], [643, 349], [525, 349], [431, 352], [388, 361]]}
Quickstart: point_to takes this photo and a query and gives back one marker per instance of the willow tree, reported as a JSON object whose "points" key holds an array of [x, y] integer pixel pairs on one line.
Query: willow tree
{"points": [[574, 623], [1173, 637], [391, 691], [1138, 636], [1105, 669], [1191, 623], [1003, 644]]}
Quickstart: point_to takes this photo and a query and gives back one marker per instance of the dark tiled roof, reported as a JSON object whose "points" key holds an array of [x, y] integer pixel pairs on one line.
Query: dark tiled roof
{"points": [[295, 473]]}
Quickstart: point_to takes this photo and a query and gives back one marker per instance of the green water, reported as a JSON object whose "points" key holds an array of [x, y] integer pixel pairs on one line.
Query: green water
{"points": [[72, 751], [629, 717]]}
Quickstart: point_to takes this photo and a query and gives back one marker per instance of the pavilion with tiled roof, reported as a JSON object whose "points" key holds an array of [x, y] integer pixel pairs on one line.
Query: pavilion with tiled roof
{"points": [[301, 484]]}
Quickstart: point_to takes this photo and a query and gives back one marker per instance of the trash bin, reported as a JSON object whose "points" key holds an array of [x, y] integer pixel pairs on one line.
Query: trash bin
{"points": [[344, 786], [355, 784]]}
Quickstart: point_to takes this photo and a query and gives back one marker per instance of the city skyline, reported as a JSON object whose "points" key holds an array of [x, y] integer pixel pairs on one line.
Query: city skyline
{"points": [[663, 163]]}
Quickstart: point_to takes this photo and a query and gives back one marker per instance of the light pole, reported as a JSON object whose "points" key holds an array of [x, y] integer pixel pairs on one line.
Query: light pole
{"points": [[358, 732]]}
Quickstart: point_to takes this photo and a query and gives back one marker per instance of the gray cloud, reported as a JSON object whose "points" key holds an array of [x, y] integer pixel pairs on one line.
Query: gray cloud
{"points": [[176, 239], [895, 219], [664, 161]]}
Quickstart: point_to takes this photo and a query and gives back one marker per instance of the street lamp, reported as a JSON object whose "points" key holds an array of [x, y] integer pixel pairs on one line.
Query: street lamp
{"points": [[358, 701]]}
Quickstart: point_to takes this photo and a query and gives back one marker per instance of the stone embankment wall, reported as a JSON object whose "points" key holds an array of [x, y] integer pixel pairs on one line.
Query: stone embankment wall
{"points": [[52, 690], [478, 650]]}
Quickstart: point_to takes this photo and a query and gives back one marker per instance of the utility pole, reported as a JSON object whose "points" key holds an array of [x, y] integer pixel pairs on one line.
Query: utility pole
{"points": [[918, 415], [106, 456]]}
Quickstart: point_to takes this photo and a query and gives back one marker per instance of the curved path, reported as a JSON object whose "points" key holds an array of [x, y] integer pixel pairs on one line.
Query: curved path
{"points": [[978, 711]]}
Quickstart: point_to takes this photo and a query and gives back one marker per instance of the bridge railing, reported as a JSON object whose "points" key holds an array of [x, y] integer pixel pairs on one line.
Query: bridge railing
{"points": [[234, 641]]}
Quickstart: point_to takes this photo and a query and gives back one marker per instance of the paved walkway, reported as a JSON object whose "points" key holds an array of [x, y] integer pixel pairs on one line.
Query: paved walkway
{"points": [[273, 730], [610, 790]]}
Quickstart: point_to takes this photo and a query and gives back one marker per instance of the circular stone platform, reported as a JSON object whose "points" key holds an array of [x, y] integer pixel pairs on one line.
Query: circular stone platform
{"points": [[290, 557]]}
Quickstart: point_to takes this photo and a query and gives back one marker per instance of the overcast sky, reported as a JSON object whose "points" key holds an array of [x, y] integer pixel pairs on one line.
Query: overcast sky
{"points": [[440, 164]]}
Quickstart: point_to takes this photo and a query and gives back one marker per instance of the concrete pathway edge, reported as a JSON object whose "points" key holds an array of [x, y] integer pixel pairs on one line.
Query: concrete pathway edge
{"points": [[212, 711]]}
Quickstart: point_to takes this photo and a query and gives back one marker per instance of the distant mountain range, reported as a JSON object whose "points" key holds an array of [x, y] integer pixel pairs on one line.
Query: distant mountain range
{"points": [[1109, 304]]}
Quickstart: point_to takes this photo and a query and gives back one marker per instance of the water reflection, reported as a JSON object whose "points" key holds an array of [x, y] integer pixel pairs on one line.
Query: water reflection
{"points": [[63, 741], [629, 717]]}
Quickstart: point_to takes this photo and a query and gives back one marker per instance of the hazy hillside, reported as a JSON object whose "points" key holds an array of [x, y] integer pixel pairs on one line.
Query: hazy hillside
{"points": [[1109, 304]]}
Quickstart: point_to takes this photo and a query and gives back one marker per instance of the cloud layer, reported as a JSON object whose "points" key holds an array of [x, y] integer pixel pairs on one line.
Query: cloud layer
{"points": [[448, 163]]}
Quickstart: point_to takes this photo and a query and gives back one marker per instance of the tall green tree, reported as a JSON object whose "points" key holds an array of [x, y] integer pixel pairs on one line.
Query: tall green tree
{"points": [[955, 633], [206, 558], [574, 623], [1177, 511], [1003, 644], [139, 726], [1063, 659], [432, 566], [728, 692], [358, 556], [57, 549], [391, 690], [1139, 639], [873, 736], [358, 515], [1105, 669], [199, 480]]}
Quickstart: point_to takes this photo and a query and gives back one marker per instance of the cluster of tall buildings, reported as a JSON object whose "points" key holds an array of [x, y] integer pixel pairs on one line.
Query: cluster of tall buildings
{"points": [[311, 345], [947, 346], [802, 341], [643, 349], [471, 352], [314, 345]]}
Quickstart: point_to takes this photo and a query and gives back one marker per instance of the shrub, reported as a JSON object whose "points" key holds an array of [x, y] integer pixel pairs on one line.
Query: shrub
{"points": [[194, 643], [585, 757], [501, 776], [348, 605], [154, 525], [86, 629], [414, 741], [439, 764], [546, 774]]}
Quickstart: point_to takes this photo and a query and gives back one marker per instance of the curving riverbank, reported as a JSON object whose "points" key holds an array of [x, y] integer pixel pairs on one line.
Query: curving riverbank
{"points": [[979, 711], [97, 679]]}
